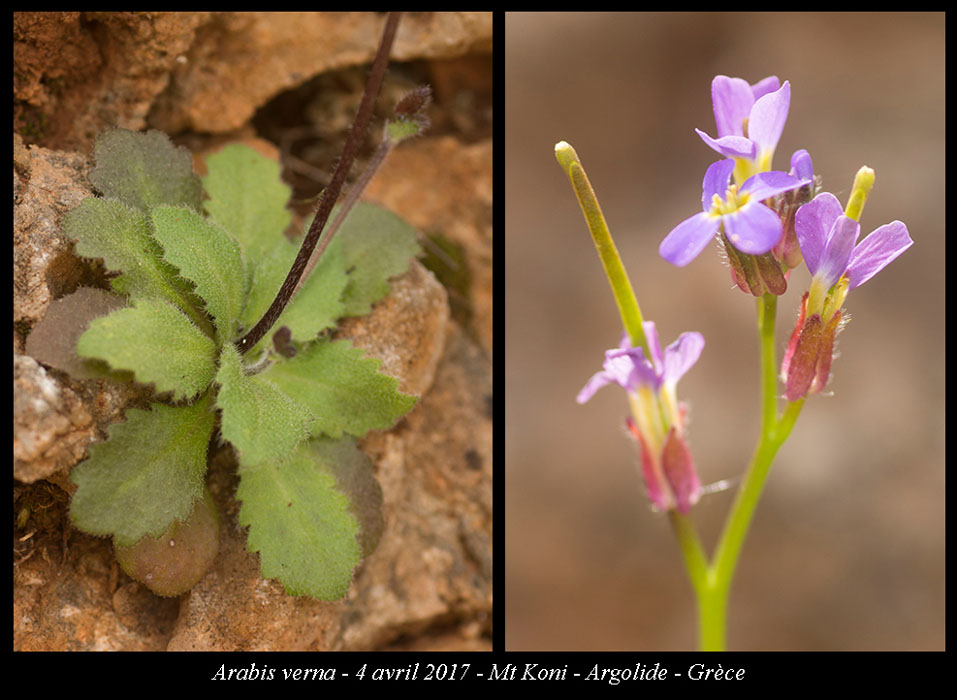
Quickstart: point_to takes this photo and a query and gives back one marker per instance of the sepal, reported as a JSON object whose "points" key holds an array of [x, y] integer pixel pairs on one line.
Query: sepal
{"points": [[670, 477], [755, 274], [807, 361]]}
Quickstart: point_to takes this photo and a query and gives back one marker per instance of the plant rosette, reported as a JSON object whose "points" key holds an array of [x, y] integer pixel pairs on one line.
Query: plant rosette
{"points": [[191, 273]]}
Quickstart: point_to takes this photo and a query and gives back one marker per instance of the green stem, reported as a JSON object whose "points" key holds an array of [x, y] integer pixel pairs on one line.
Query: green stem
{"points": [[713, 598], [767, 317], [713, 618], [694, 557]]}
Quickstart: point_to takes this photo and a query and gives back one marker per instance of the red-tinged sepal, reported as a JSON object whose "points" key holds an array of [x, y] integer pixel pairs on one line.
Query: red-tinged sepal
{"points": [[658, 493], [679, 470], [792, 343], [807, 361], [670, 478]]}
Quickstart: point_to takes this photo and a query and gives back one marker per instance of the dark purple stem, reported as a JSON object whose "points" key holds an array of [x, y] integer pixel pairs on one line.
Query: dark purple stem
{"points": [[330, 193]]}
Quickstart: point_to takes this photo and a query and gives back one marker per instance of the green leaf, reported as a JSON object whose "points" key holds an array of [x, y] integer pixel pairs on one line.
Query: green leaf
{"points": [[109, 229], [259, 419], [144, 170], [315, 307], [342, 388], [147, 474], [301, 521], [207, 256], [318, 304], [247, 198], [155, 341], [376, 245]]}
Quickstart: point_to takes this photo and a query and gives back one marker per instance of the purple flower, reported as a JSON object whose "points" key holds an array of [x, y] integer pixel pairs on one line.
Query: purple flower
{"points": [[658, 419], [750, 226], [801, 165], [750, 118], [828, 239], [838, 264], [788, 250], [627, 366]]}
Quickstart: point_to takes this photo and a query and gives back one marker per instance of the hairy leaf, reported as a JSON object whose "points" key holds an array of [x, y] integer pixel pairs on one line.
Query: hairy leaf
{"points": [[157, 343], [247, 198], [342, 388], [300, 522], [147, 474], [207, 256], [144, 170], [315, 307], [259, 419], [376, 245], [109, 229]]}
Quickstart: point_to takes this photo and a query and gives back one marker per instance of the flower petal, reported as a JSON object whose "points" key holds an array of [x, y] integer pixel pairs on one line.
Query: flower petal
{"points": [[876, 251], [623, 366], [654, 346], [837, 251], [598, 380], [801, 165], [681, 355], [688, 239], [763, 87], [767, 119], [813, 223], [633, 367], [716, 179], [625, 343], [769, 184], [754, 228], [730, 146], [732, 99]]}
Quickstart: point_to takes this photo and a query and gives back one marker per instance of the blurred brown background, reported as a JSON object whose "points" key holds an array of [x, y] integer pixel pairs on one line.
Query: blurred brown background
{"points": [[846, 551]]}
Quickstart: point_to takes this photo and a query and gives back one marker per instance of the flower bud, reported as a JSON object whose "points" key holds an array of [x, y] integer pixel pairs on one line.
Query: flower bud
{"points": [[788, 250], [754, 274], [414, 102]]}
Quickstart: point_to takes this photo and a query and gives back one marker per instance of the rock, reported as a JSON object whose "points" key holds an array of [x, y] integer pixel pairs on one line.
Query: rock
{"points": [[243, 59], [77, 73], [51, 426], [47, 184], [456, 202], [406, 330]]}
